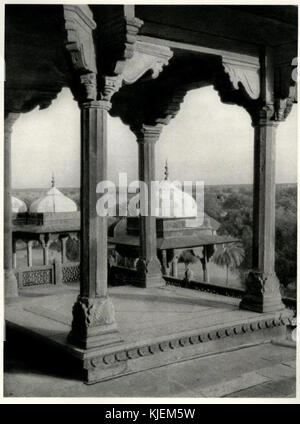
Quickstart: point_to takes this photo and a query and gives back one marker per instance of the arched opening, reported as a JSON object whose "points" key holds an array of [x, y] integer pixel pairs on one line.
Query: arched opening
{"points": [[46, 170], [212, 142]]}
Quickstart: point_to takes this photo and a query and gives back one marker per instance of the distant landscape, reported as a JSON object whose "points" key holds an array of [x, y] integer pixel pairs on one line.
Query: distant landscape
{"points": [[231, 205]]}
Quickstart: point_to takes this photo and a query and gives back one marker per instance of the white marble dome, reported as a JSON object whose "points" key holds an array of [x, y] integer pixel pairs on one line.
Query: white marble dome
{"points": [[171, 202], [53, 201], [17, 205]]}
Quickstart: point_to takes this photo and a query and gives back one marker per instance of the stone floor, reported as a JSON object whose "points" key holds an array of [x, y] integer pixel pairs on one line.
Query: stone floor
{"points": [[265, 371], [140, 313]]}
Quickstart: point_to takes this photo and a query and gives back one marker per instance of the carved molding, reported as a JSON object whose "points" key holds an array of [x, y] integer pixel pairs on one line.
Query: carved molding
{"points": [[243, 70], [118, 31], [22, 100], [179, 342], [132, 27], [79, 25], [170, 105]]}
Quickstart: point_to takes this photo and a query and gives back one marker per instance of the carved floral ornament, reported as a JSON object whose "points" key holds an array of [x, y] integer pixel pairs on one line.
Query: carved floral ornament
{"points": [[243, 70], [146, 57], [89, 312]]}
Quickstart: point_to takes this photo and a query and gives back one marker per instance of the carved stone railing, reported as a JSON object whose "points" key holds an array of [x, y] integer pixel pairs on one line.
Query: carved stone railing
{"points": [[35, 276], [71, 272], [48, 274], [120, 275], [221, 290]]}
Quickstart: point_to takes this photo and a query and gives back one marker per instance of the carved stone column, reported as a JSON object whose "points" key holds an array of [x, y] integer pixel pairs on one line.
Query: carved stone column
{"points": [[93, 313], [262, 285], [204, 262], [63, 241], [14, 253], [29, 252], [164, 263], [174, 265], [148, 266], [207, 252], [11, 285], [58, 275], [45, 242]]}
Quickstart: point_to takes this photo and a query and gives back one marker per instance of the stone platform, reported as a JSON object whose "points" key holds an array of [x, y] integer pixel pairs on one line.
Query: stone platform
{"points": [[159, 326]]}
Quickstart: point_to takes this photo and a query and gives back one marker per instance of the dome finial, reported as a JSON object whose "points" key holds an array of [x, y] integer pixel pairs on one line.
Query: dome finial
{"points": [[52, 180], [166, 171]]}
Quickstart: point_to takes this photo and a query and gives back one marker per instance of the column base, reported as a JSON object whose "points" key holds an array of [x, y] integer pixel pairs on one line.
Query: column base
{"points": [[262, 293], [94, 324], [149, 274], [10, 284]]}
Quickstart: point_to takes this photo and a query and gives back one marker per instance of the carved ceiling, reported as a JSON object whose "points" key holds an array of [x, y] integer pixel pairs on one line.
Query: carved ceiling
{"points": [[35, 57], [99, 50]]}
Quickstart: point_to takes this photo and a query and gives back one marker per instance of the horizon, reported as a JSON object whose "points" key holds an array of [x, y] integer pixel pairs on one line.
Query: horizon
{"points": [[205, 185], [207, 141]]}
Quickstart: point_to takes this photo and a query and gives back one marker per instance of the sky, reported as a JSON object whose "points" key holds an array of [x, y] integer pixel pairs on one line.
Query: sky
{"points": [[207, 141]]}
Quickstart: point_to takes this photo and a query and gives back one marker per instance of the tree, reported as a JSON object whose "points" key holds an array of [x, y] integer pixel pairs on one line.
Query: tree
{"points": [[230, 255]]}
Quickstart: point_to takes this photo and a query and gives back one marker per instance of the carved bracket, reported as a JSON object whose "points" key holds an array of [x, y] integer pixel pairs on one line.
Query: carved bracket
{"points": [[79, 25], [243, 71], [146, 57], [117, 29], [170, 105], [285, 81]]}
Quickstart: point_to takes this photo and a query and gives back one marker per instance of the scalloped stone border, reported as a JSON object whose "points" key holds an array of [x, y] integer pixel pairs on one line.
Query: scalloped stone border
{"points": [[113, 359]]}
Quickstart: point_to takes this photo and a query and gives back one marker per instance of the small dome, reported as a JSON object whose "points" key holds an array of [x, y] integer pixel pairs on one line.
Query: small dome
{"points": [[17, 205], [53, 201], [171, 201]]}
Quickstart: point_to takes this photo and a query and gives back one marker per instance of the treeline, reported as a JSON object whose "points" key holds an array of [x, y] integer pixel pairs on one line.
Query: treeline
{"points": [[232, 207]]}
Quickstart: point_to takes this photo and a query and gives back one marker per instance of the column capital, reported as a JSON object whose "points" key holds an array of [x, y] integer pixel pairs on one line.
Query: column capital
{"points": [[147, 133], [97, 104], [263, 116], [88, 83], [110, 86]]}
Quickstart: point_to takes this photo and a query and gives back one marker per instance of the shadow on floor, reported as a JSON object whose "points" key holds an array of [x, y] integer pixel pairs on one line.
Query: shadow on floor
{"points": [[23, 353]]}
